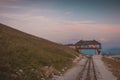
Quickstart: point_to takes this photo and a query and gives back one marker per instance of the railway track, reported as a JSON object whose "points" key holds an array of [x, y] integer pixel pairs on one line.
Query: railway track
{"points": [[88, 71]]}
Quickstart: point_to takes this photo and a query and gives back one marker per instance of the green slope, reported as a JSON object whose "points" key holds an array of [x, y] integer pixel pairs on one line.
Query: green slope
{"points": [[24, 57]]}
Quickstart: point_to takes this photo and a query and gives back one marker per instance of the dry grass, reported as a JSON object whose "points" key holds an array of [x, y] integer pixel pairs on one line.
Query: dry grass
{"points": [[114, 65], [23, 56]]}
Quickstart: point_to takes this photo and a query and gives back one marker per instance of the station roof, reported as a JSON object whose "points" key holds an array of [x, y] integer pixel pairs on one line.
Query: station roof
{"points": [[90, 42]]}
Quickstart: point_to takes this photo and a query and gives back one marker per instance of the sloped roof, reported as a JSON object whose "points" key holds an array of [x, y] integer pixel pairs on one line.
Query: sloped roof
{"points": [[91, 42]]}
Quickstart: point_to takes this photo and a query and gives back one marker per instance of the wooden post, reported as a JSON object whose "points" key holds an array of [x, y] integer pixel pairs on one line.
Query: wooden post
{"points": [[96, 51]]}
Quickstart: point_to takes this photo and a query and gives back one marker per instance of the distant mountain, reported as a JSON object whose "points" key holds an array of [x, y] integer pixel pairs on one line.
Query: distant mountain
{"points": [[26, 57]]}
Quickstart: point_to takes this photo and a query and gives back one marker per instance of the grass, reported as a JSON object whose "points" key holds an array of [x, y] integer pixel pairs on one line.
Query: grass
{"points": [[24, 56], [114, 65]]}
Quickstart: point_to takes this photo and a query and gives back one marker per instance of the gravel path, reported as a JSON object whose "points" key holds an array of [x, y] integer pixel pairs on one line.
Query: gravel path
{"points": [[102, 72], [72, 74]]}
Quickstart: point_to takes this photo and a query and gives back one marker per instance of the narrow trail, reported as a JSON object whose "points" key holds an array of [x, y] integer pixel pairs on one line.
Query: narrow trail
{"points": [[88, 72], [102, 71], [89, 68]]}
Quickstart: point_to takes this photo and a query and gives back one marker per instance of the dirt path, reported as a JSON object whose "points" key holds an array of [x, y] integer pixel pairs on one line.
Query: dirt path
{"points": [[72, 74], [101, 71]]}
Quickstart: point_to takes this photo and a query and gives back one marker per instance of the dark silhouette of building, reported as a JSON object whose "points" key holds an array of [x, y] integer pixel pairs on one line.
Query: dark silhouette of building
{"points": [[93, 44]]}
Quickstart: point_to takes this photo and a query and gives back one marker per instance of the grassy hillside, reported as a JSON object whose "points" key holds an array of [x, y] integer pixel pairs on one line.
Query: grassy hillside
{"points": [[114, 65], [26, 57]]}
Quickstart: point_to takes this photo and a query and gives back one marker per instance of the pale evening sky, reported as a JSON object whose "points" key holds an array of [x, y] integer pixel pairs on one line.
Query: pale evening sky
{"points": [[65, 21]]}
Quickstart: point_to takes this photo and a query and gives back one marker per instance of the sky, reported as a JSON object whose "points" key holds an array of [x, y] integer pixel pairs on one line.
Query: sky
{"points": [[65, 21]]}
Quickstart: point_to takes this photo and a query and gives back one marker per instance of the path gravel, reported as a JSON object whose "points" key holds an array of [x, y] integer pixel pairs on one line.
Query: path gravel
{"points": [[72, 74], [102, 71]]}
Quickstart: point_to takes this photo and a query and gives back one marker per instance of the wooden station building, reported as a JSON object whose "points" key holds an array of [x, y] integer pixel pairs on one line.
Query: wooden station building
{"points": [[93, 44]]}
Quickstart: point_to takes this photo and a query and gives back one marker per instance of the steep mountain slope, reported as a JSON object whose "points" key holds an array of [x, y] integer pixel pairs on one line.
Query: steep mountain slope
{"points": [[26, 57]]}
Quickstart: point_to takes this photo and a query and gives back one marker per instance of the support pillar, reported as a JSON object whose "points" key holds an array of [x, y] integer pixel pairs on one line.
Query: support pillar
{"points": [[96, 52]]}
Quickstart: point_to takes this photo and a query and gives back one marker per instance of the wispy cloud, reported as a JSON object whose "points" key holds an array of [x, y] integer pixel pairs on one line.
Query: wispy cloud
{"points": [[53, 25], [68, 13], [42, 22], [102, 32], [103, 40], [3, 2]]}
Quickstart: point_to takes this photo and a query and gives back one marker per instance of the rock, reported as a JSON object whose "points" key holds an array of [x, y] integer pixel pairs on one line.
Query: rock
{"points": [[14, 76], [42, 79], [63, 70], [20, 70]]}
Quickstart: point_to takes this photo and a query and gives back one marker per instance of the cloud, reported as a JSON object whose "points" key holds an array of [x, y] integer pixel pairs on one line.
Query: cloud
{"points": [[103, 40], [59, 29], [101, 32], [5, 3], [10, 7], [68, 13], [29, 22], [53, 24]]}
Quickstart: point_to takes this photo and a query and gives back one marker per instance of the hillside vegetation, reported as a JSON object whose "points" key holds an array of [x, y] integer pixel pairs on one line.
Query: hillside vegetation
{"points": [[26, 57], [114, 65]]}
